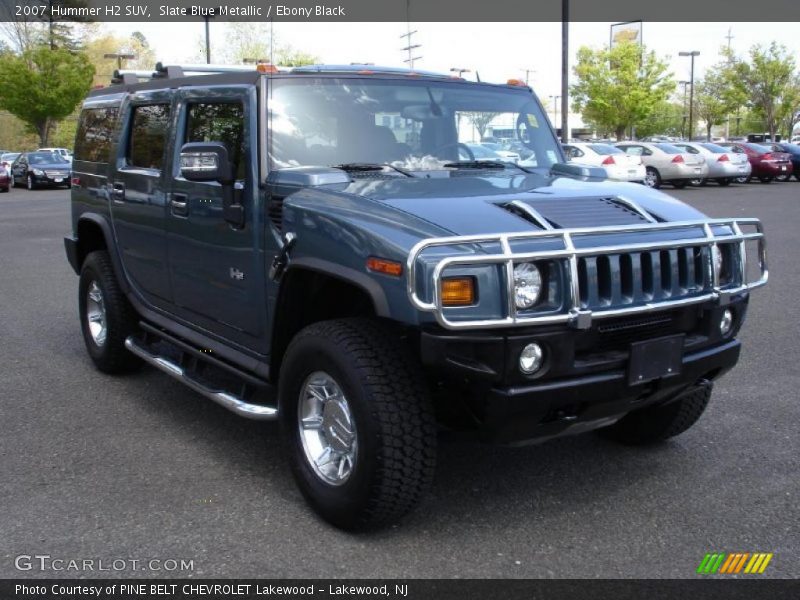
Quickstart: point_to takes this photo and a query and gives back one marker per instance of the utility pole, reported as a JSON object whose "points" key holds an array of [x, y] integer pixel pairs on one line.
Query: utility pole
{"points": [[120, 57], [729, 37], [730, 59], [207, 18], [410, 46], [564, 71], [691, 54], [527, 75]]}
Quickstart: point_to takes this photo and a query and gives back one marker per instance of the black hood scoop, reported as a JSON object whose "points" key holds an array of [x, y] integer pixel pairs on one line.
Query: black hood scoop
{"points": [[569, 213]]}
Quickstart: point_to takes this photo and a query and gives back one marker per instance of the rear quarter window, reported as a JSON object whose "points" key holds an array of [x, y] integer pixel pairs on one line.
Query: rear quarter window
{"points": [[95, 133]]}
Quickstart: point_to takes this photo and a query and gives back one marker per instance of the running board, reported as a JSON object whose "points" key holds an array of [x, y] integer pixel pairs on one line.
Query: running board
{"points": [[230, 401]]}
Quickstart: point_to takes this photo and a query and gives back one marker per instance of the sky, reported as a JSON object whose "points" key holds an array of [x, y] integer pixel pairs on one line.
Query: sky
{"points": [[496, 51]]}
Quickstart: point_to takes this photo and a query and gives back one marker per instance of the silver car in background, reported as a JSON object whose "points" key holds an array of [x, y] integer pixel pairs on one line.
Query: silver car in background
{"points": [[724, 166], [618, 165], [666, 164]]}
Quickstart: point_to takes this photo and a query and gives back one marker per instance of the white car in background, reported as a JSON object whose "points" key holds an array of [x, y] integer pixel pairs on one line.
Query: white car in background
{"points": [[618, 165], [507, 155], [724, 166], [65, 153], [666, 164]]}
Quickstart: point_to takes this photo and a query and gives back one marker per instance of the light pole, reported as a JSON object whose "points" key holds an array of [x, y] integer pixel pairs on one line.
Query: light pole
{"points": [[691, 54], [528, 74], [685, 85], [564, 71], [459, 71], [120, 57]]}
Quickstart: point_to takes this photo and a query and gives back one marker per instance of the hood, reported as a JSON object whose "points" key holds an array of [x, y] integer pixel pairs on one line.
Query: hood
{"points": [[470, 203]]}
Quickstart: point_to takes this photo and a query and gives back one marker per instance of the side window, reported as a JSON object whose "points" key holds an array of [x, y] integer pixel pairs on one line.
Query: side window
{"points": [[149, 126], [95, 132], [221, 122], [633, 150]]}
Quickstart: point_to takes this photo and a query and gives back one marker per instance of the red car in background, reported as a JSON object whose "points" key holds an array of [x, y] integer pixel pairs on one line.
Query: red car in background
{"points": [[5, 179], [767, 163]]}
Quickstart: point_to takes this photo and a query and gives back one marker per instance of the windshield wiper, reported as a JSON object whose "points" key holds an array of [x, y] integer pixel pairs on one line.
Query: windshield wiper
{"points": [[372, 167], [478, 164]]}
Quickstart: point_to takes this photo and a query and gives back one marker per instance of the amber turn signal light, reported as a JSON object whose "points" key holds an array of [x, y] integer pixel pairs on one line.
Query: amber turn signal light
{"points": [[458, 291], [387, 267]]}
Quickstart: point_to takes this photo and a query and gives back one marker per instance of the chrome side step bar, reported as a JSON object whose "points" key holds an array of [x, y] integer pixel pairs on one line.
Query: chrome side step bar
{"points": [[231, 402]]}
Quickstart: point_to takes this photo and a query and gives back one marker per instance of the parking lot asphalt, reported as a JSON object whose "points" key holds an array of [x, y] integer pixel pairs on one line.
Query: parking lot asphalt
{"points": [[140, 467]]}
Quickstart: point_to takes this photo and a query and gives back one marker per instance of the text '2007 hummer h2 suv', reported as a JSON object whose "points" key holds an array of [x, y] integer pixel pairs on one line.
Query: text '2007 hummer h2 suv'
{"points": [[322, 246]]}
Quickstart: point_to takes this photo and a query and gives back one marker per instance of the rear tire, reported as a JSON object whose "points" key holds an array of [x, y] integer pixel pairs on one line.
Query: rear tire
{"points": [[743, 179], [107, 318], [679, 184], [658, 423], [652, 178], [390, 435]]}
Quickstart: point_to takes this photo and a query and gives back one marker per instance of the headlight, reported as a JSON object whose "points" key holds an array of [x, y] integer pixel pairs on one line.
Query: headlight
{"points": [[527, 285], [531, 358], [38, 172]]}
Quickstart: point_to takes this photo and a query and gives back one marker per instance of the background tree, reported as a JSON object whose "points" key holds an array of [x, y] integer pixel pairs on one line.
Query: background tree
{"points": [[716, 97], [767, 80], [666, 119], [789, 108], [255, 41], [42, 86], [619, 87], [480, 121], [100, 45]]}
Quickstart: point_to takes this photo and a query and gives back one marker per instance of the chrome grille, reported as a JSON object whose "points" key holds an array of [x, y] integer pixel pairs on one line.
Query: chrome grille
{"points": [[55, 174], [631, 278]]}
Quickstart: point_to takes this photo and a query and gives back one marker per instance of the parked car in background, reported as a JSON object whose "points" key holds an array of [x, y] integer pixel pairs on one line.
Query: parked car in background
{"points": [[66, 153], [723, 165], [5, 180], [481, 153], [618, 165], [666, 163], [794, 151], [37, 169], [6, 159], [498, 149], [767, 163]]}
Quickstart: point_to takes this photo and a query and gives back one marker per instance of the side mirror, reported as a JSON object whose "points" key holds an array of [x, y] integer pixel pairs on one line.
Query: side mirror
{"points": [[206, 161]]}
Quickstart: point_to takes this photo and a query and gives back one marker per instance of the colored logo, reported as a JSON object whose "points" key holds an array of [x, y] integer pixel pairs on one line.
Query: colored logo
{"points": [[736, 562]]}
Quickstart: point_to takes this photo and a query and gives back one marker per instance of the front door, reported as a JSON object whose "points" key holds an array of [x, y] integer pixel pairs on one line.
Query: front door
{"points": [[217, 269]]}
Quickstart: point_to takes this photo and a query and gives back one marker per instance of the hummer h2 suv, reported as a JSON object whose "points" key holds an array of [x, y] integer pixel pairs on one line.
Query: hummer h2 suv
{"points": [[322, 246]]}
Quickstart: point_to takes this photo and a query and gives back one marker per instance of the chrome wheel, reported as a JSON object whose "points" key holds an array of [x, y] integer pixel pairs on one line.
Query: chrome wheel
{"points": [[650, 178], [96, 314], [327, 429], [30, 182]]}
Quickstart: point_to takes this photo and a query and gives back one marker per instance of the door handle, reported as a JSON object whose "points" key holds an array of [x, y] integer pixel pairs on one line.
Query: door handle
{"points": [[118, 192], [179, 204]]}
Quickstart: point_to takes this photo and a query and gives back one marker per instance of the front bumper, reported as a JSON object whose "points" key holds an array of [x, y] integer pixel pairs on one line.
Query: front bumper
{"points": [[584, 383]]}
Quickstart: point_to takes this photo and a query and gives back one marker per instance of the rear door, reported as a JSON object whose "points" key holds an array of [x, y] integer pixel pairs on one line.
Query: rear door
{"points": [[218, 270], [138, 196]]}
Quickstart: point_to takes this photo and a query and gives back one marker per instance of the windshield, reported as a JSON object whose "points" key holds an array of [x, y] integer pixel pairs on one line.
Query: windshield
{"points": [[415, 124], [41, 158], [605, 149]]}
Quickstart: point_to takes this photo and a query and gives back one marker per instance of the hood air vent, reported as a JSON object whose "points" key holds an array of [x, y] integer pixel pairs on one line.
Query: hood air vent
{"points": [[562, 213]]}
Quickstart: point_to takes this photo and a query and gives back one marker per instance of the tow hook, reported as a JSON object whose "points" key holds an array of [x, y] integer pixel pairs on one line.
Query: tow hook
{"points": [[282, 257]]}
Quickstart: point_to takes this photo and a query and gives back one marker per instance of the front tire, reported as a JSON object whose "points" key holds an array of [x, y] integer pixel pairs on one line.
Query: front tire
{"points": [[107, 318], [657, 423], [31, 184], [357, 422]]}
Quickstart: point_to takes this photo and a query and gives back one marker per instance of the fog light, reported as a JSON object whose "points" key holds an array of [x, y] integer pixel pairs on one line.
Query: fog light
{"points": [[726, 322], [531, 358]]}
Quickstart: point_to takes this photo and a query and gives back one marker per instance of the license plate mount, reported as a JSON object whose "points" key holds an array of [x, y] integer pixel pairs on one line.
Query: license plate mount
{"points": [[655, 359]]}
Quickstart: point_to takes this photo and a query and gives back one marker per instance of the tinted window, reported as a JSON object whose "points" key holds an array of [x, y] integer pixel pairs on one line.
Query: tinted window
{"points": [[758, 148], [148, 136], [605, 149], [668, 148], [219, 123], [95, 130], [793, 148]]}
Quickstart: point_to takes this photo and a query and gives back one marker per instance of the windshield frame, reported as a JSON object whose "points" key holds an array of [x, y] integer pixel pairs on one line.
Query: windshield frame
{"points": [[268, 84]]}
